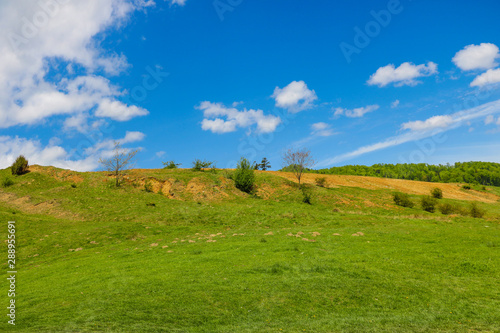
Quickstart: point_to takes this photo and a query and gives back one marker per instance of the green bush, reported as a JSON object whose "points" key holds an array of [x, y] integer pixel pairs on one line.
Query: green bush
{"points": [[466, 187], [437, 193], [199, 165], [475, 211], [306, 195], [6, 182], [402, 199], [243, 176], [320, 181], [20, 166], [428, 204], [170, 165], [446, 209]]}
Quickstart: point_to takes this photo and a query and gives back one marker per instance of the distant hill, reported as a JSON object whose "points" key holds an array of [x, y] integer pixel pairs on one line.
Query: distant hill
{"points": [[483, 173]]}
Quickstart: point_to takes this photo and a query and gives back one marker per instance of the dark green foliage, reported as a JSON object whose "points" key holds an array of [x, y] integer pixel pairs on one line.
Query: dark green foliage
{"points": [[306, 195], [475, 211], [402, 199], [483, 173], [73, 185], [6, 182], [466, 187], [199, 165], [243, 176], [429, 204], [320, 181], [264, 164], [20, 166], [437, 193], [171, 165], [446, 209]]}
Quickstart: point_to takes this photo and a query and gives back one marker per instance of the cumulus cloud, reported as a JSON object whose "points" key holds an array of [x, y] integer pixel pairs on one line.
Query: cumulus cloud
{"points": [[56, 35], [473, 57], [178, 2], [405, 74], [489, 77], [221, 119], [429, 124], [395, 104], [355, 113], [295, 97], [322, 129]]}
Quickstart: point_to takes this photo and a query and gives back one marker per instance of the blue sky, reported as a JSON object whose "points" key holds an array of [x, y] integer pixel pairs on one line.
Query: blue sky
{"points": [[356, 82]]}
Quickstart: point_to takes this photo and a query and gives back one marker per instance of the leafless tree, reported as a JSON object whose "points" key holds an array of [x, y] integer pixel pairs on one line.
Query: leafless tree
{"points": [[297, 161], [119, 161]]}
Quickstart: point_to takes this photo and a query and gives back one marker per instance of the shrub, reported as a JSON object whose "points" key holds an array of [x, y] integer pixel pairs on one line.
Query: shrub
{"points": [[6, 182], [475, 211], [73, 185], [306, 195], [320, 181], [402, 199], [446, 209], [243, 176], [199, 165], [428, 204], [20, 166], [437, 193], [171, 165], [466, 187]]}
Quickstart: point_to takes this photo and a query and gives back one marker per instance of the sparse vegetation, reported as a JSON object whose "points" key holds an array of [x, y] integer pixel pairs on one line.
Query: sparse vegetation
{"points": [[437, 193], [297, 161], [148, 186], [446, 208], [243, 176], [264, 164], [171, 165], [428, 204], [119, 162], [402, 199], [320, 181], [199, 165], [306, 195], [20, 166]]}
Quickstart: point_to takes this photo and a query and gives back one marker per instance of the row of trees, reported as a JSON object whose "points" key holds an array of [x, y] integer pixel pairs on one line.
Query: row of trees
{"points": [[484, 173]]}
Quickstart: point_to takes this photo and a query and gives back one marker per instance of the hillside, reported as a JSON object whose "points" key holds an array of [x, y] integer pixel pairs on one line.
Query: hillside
{"points": [[184, 251]]}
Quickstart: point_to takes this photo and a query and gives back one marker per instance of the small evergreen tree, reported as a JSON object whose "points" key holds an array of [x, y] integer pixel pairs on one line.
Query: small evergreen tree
{"points": [[264, 164]]}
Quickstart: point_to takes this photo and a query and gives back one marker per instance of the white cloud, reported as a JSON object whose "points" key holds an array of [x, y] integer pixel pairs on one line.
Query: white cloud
{"points": [[490, 77], [473, 57], [119, 111], [47, 35], [234, 119], [422, 129], [356, 113], [160, 154], [395, 104], [429, 124], [295, 97], [405, 74], [178, 2], [322, 129], [489, 120]]}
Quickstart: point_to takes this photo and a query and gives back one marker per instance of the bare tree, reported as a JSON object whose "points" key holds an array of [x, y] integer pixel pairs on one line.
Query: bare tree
{"points": [[119, 162], [297, 161]]}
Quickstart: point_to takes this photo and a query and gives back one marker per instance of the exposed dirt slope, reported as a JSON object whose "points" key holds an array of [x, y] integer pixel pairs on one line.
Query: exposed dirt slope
{"points": [[451, 191]]}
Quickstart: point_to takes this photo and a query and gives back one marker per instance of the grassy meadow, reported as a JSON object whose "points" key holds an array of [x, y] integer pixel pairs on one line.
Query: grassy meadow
{"points": [[184, 251]]}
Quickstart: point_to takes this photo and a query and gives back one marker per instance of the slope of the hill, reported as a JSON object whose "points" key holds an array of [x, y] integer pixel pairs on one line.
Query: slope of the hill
{"points": [[183, 251]]}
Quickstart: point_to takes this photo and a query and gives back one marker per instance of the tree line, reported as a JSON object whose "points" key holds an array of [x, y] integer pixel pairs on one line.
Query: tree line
{"points": [[483, 173]]}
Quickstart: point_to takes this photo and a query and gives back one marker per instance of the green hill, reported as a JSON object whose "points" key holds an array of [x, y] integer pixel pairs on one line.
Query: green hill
{"points": [[183, 251]]}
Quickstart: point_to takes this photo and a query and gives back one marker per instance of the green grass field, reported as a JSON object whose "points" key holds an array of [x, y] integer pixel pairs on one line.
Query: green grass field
{"points": [[94, 258]]}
